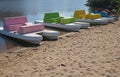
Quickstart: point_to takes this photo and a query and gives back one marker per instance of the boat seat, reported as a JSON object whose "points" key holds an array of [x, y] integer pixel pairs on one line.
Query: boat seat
{"points": [[93, 16], [67, 20], [12, 27], [13, 23], [20, 24], [82, 14], [52, 17], [77, 14], [31, 28]]}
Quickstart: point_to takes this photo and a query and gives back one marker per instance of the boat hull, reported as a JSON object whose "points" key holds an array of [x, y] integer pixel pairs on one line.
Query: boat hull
{"points": [[49, 34], [69, 27], [31, 38], [98, 22]]}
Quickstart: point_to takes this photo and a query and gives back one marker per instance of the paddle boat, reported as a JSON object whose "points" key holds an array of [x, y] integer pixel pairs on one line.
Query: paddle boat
{"points": [[19, 28], [55, 21], [91, 18]]}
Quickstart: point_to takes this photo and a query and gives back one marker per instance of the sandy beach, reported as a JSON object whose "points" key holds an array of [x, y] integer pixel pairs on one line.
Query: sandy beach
{"points": [[93, 52]]}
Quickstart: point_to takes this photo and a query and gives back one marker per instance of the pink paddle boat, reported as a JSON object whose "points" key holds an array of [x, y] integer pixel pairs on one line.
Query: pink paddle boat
{"points": [[18, 27]]}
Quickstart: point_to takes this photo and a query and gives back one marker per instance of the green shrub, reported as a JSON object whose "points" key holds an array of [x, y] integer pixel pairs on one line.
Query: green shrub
{"points": [[112, 5]]}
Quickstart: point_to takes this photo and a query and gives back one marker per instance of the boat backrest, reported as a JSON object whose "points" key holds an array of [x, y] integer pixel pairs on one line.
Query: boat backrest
{"points": [[15, 20], [79, 12], [52, 17]]}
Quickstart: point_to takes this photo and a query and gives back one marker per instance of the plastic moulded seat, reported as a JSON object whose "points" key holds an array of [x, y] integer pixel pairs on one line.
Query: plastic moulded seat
{"points": [[13, 23], [21, 25], [82, 14], [30, 28], [79, 14], [52, 17], [67, 20], [93, 16]]}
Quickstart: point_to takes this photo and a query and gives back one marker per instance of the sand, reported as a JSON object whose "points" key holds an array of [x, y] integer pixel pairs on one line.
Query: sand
{"points": [[93, 52]]}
